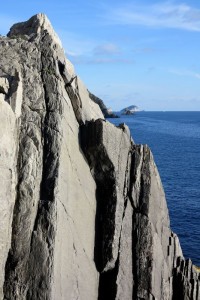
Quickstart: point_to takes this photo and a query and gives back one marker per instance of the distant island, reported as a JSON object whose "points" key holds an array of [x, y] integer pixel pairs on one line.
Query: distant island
{"points": [[130, 110]]}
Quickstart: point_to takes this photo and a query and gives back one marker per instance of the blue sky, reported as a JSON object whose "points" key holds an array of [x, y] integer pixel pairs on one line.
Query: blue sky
{"points": [[143, 52]]}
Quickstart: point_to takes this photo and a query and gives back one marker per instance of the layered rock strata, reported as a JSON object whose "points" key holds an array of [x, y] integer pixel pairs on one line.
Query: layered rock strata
{"points": [[83, 212]]}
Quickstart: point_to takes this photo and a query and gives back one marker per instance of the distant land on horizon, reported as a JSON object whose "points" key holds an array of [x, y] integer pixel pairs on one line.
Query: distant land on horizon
{"points": [[130, 110]]}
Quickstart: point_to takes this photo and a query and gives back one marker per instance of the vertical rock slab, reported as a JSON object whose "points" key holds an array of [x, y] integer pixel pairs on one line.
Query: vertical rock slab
{"points": [[52, 202], [125, 280], [74, 272], [154, 248], [107, 149], [9, 134], [186, 281], [8, 179]]}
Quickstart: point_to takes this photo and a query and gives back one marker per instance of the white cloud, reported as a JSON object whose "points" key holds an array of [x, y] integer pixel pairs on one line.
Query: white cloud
{"points": [[160, 15], [89, 51], [107, 48], [185, 73], [76, 45]]}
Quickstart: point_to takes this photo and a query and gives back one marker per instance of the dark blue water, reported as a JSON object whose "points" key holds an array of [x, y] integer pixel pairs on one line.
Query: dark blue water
{"points": [[174, 138]]}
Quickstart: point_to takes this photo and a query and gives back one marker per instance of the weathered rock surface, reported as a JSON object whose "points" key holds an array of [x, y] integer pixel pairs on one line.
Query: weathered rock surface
{"points": [[83, 212], [55, 189]]}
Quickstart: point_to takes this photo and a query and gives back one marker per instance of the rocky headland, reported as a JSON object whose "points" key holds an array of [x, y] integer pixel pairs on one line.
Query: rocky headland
{"points": [[83, 211], [106, 111]]}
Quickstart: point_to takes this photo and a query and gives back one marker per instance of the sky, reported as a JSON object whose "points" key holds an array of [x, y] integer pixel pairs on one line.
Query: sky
{"points": [[144, 53]]}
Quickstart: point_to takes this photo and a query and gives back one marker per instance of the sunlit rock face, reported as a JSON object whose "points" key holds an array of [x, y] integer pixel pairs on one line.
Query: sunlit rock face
{"points": [[83, 212]]}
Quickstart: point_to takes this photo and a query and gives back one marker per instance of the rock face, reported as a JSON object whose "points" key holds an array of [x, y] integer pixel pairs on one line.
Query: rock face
{"points": [[83, 212]]}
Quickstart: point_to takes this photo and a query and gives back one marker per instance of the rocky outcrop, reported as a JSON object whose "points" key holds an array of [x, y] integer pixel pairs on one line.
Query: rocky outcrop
{"points": [[106, 112], [83, 212], [142, 262]]}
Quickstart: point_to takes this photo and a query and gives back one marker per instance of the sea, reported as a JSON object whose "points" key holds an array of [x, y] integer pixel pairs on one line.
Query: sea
{"points": [[174, 138]]}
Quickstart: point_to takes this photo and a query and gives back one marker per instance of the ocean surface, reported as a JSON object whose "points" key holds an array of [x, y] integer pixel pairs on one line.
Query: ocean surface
{"points": [[174, 138]]}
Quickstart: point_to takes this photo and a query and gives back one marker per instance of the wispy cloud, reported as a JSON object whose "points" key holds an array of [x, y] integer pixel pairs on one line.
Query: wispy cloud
{"points": [[106, 49], [151, 69], [89, 60], [83, 50], [90, 51], [185, 73], [147, 50], [159, 15]]}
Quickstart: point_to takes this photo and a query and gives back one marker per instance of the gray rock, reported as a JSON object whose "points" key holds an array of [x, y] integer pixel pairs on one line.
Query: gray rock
{"points": [[4, 85], [108, 151], [8, 179], [54, 215], [125, 276], [83, 211]]}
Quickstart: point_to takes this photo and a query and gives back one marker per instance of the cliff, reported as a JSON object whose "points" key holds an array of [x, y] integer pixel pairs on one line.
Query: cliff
{"points": [[83, 211], [106, 112]]}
